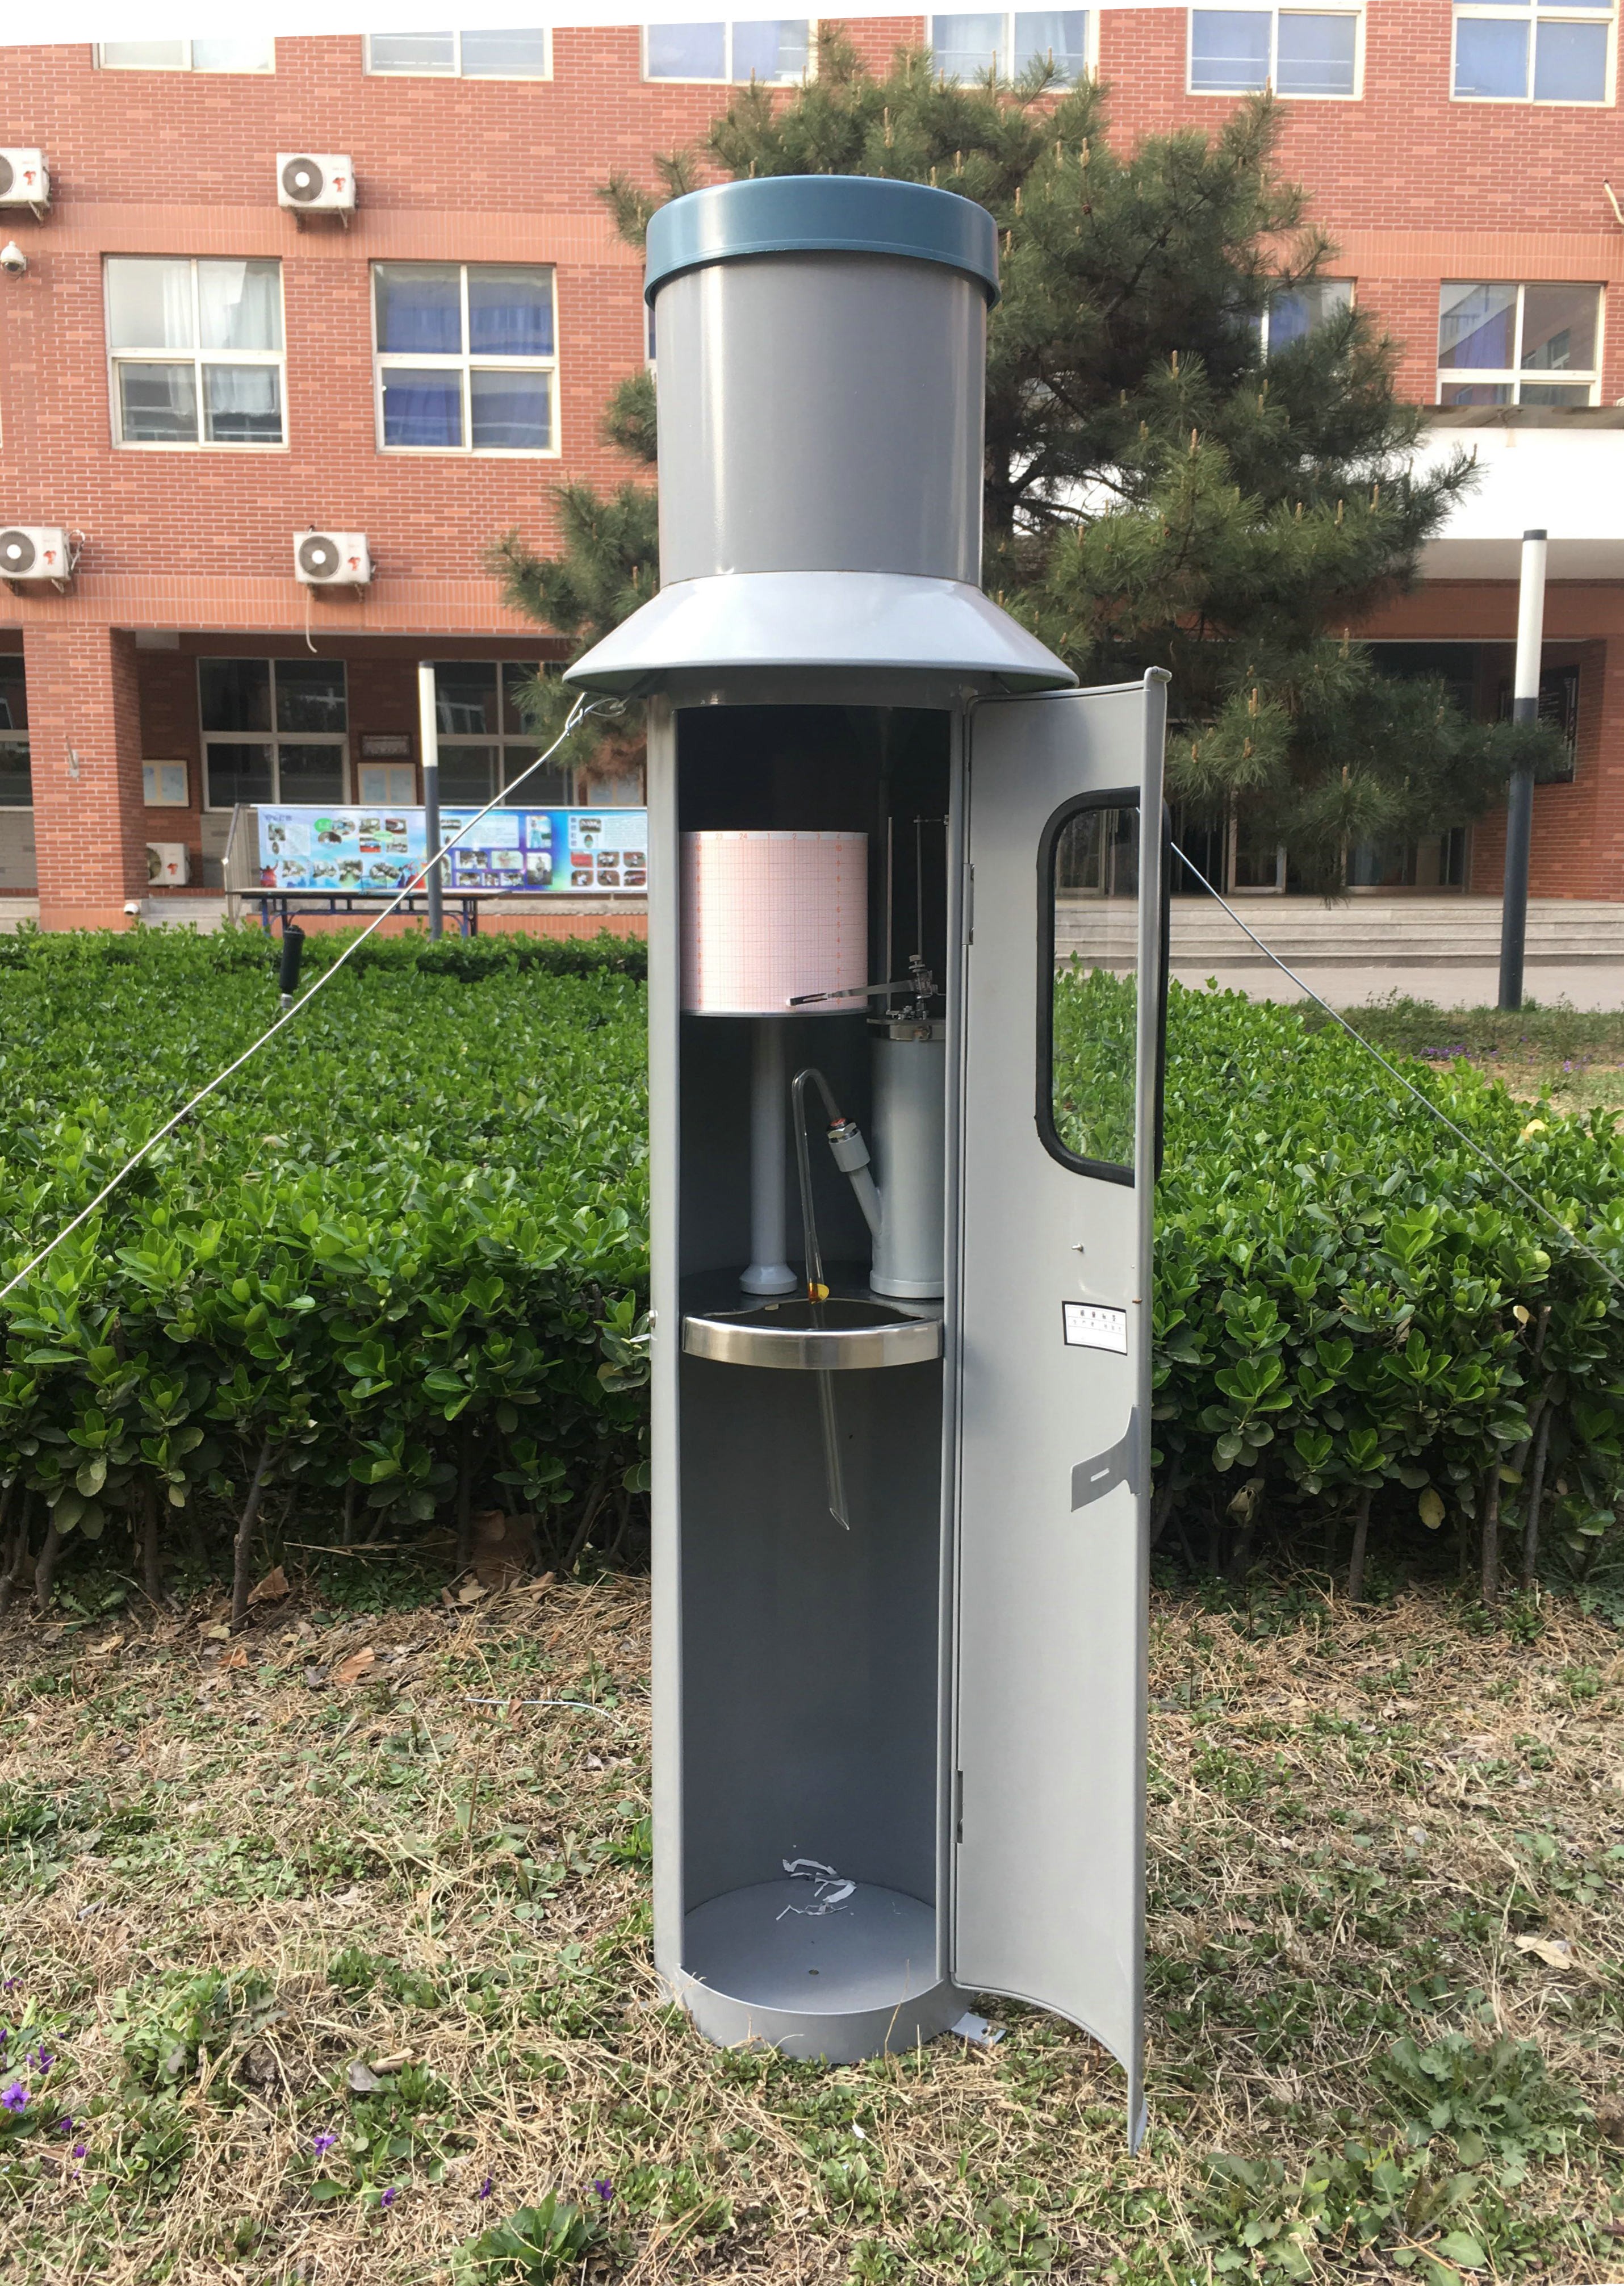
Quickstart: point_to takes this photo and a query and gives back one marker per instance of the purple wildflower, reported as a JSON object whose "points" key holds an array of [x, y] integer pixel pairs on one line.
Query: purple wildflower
{"points": [[16, 2097], [64, 2127], [604, 2189], [487, 2187], [390, 2195], [79, 2149], [43, 2058], [322, 2144], [11, 1984]]}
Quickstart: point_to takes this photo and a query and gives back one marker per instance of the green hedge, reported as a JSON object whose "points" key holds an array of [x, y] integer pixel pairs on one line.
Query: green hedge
{"points": [[402, 1259], [166, 956], [1354, 1313]]}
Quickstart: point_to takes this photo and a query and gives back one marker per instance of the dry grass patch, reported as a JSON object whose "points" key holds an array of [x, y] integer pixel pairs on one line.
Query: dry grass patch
{"points": [[253, 1903]]}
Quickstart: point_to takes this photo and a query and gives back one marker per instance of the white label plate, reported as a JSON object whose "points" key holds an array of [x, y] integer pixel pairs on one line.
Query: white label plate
{"points": [[1088, 1327]]}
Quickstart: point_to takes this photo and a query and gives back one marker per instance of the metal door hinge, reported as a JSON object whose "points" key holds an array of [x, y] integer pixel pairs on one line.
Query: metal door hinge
{"points": [[969, 904], [958, 1805]]}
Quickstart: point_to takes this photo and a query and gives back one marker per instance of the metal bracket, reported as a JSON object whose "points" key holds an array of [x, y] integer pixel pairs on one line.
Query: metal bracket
{"points": [[1090, 1480]]}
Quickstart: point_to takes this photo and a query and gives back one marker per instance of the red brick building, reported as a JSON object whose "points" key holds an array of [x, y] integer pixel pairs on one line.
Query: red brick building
{"points": [[192, 373]]}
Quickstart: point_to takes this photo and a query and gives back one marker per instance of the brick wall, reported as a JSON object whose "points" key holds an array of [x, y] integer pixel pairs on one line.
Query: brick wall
{"points": [[1578, 845], [84, 733], [1412, 185]]}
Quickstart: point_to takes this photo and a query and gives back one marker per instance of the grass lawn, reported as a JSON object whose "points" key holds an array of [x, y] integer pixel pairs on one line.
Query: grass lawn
{"points": [[305, 1885], [1573, 1055]]}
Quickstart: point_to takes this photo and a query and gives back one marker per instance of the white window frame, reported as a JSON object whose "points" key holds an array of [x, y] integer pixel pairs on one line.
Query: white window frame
{"points": [[274, 738], [214, 71], [666, 79], [1007, 41], [1274, 11], [392, 71], [196, 356], [1471, 376], [1538, 12], [423, 360]]}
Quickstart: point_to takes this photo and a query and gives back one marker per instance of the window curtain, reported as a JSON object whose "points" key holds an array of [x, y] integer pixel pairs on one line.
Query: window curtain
{"points": [[512, 412], [1060, 35], [239, 305], [149, 304], [421, 408], [242, 403], [966, 47], [419, 308], [509, 312]]}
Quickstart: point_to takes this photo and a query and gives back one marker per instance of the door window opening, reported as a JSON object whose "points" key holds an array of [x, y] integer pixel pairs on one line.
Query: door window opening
{"points": [[1088, 996]]}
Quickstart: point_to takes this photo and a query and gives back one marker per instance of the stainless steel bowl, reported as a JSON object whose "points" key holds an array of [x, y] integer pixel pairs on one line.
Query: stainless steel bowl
{"points": [[841, 1336]]}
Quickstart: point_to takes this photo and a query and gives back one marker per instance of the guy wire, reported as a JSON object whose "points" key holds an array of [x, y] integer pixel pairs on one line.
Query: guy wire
{"points": [[1470, 1141]]}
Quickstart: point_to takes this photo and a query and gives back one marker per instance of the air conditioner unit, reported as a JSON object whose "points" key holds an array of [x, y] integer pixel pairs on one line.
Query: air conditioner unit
{"points": [[168, 864], [315, 182], [34, 552], [332, 559], [24, 180]]}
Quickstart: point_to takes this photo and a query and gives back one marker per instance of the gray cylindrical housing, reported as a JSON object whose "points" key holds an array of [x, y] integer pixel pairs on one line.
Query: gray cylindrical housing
{"points": [[821, 412], [910, 1132], [822, 359]]}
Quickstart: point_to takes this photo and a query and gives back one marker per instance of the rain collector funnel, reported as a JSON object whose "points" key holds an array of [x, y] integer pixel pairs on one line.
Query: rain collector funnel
{"points": [[898, 1736]]}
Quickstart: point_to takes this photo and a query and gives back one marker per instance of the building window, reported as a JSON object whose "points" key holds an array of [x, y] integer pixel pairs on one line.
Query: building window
{"points": [[196, 350], [1294, 50], [775, 53], [1505, 344], [1558, 710], [461, 55], [466, 358], [1296, 311], [16, 788], [484, 741], [250, 53], [1436, 860], [964, 47], [274, 730], [1534, 51]]}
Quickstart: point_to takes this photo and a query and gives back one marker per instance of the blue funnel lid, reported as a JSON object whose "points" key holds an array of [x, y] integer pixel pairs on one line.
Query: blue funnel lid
{"points": [[821, 214]]}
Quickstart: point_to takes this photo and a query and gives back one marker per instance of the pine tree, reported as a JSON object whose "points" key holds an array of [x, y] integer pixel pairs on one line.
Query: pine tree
{"points": [[1159, 491]]}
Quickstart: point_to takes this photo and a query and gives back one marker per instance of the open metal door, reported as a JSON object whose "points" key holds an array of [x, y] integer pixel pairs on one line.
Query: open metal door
{"points": [[1064, 986]]}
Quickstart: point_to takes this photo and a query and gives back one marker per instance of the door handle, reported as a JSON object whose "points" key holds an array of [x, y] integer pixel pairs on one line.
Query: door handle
{"points": [[1118, 1465]]}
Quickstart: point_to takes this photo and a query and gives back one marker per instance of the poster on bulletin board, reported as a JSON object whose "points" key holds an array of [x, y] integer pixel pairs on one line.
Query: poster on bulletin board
{"points": [[517, 852]]}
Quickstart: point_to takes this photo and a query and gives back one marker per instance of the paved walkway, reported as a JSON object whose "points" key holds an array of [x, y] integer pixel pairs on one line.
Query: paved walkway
{"points": [[1446, 949]]}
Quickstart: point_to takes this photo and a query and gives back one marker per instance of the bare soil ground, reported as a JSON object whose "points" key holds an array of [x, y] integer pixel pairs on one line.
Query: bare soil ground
{"points": [[384, 1881], [1571, 1057]]}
